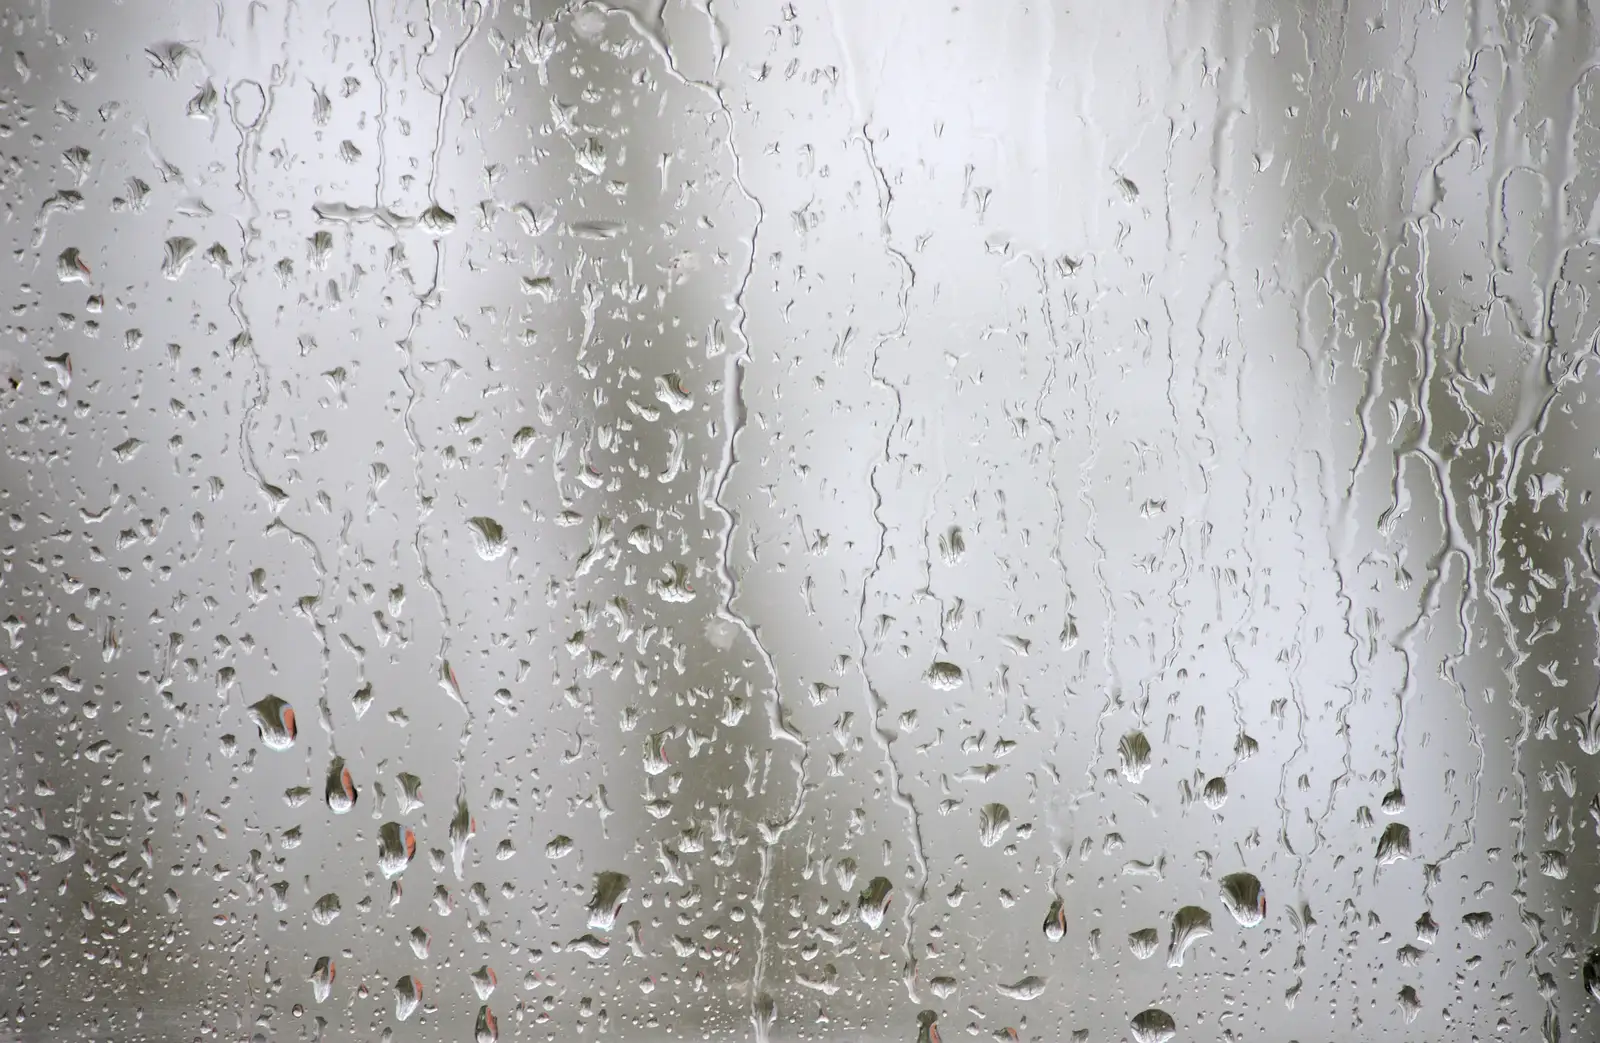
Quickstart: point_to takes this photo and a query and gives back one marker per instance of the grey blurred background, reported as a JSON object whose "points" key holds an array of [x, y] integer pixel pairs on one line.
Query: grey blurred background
{"points": [[999, 453]]}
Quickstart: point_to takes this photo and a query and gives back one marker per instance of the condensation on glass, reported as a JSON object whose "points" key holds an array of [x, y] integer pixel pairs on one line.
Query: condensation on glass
{"points": [[839, 519]]}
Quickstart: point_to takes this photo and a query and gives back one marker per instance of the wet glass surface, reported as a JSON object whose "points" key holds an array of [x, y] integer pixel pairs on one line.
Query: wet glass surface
{"points": [[844, 519]]}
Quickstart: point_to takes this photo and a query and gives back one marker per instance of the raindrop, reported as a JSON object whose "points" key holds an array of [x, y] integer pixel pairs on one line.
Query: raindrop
{"points": [[605, 901], [1478, 924], [1153, 1026], [953, 546], [670, 392], [326, 909], [274, 720], [1553, 864], [1395, 844], [340, 791], [993, 822], [410, 796], [204, 104], [178, 251], [1410, 1005], [488, 538], [1055, 921], [397, 846], [1134, 750], [407, 995], [1189, 925], [1029, 988], [71, 267], [488, 1029], [873, 902], [590, 946], [1242, 894], [463, 827], [322, 976], [436, 220], [655, 754]]}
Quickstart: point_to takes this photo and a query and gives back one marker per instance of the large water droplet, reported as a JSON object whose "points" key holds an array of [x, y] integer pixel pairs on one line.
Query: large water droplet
{"points": [[274, 720], [1153, 1026], [605, 901], [1189, 925], [873, 902], [1242, 894], [407, 995]]}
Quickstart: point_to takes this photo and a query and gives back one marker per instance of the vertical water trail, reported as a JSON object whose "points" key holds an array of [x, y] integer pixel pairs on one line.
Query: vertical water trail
{"points": [[875, 703], [734, 419]]}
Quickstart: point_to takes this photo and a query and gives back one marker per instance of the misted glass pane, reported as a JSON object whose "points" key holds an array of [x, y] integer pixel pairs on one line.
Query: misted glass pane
{"points": [[861, 520]]}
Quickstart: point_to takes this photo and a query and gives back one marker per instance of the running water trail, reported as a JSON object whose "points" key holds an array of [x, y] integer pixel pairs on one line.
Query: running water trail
{"points": [[652, 30], [875, 703]]}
